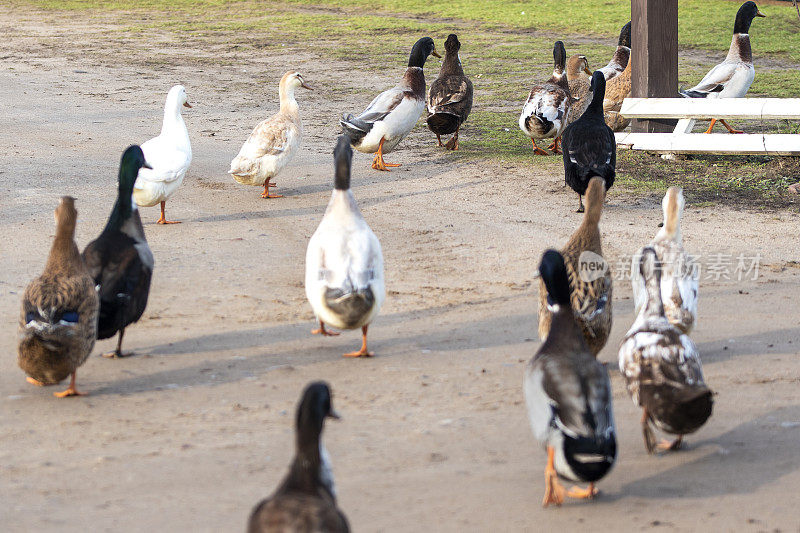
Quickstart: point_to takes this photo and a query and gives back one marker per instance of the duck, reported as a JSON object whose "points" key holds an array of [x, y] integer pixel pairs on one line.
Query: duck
{"points": [[679, 283], [58, 321], [120, 261], [589, 145], [305, 501], [344, 262], [662, 368], [545, 112], [274, 141], [170, 155], [568, 397], [622, 54], [392, 115], [580, 86], [450, 97], [731, 78], [590, 280], [617, 90]]}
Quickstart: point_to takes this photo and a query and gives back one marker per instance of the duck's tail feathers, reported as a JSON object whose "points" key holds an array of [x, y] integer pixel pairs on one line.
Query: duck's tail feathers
{"points": [[590, 457], [355, 128], [350, 306], [443, 123], [692, 94]]}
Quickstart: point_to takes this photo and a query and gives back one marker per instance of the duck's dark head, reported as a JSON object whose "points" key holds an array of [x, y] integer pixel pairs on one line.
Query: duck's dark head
{"points": [[554, 274], [745, 16], [559, 56], [342, 157], [625, 35], [452, 44], [315, 406], [132, 161], [420, 52], [598, 89]]}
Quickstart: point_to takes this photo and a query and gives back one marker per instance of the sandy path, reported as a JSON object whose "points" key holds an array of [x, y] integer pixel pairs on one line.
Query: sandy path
{"points": [[193, 431]]}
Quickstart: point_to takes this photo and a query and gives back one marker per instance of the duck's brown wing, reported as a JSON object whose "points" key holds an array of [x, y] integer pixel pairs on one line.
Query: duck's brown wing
{"points": [[297, 513]]}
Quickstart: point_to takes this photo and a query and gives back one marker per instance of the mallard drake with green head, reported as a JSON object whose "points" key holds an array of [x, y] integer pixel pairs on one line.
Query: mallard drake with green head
{"points": [[393, 113], [568, 395]]}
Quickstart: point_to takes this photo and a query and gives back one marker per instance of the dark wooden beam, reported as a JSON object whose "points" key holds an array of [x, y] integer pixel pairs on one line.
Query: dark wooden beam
{"points": [[654, 53]]}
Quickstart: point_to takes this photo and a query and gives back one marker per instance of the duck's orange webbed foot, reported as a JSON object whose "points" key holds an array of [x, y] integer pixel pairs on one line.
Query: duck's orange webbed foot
{"points": [[585, 494], [553, 491], [267, 194], [670, 446], [163, 218], [537, 150], [730, 129], [34, 381], [363, 352], [556, 146], [324, 332], [71, 390]]}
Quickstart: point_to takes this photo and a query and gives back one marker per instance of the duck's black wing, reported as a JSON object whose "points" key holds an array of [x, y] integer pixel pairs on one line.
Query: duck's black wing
{"points": [[123, 281], [589, 149]]}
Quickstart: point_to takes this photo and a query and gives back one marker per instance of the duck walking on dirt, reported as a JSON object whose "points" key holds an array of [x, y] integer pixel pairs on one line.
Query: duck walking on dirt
{"points": [[568, 396], [589, 145], [305, 502], [662, 367], [58, 322], [344, 261], [273, 142], [170, 155], [119, 260]]}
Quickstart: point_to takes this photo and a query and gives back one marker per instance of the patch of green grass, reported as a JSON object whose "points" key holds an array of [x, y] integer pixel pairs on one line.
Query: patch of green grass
{"points": [[702, 24], [746, 181]]}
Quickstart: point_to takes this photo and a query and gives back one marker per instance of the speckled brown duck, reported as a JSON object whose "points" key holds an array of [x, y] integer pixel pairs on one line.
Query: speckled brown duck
{"points": [[591, 292], [450, 97], [58, 322]]}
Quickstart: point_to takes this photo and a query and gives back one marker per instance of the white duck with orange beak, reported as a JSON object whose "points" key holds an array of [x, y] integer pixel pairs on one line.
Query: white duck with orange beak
{"points": [[170, 155]]}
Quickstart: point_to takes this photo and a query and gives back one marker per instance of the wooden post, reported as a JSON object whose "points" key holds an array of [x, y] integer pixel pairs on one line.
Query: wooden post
{"points": [[654, 53]]}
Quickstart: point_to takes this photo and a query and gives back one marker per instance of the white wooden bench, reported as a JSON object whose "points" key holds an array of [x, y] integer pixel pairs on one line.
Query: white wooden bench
{"points": [[689, 110]]}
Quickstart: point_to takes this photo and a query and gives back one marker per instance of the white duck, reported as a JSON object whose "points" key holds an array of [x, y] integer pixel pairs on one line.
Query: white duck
{"points": [[393, 113], [170, 155], [273, 142], [731, 78], [344, 262], [679, 285], [662, 367]]}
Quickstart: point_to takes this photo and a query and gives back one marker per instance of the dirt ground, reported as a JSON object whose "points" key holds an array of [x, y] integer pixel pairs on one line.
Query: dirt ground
{"points": [[194, 430]]}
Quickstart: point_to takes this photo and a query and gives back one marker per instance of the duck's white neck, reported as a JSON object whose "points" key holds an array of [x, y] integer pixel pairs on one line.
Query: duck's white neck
{"points": [[343, 204], [288, 103], [173, 124]]}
